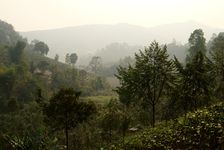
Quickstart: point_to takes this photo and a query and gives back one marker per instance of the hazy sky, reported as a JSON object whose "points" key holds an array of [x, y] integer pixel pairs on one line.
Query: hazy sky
{"points": [[45, 14]]}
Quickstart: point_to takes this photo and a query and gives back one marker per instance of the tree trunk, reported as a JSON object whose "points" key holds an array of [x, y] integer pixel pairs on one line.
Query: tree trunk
{"points": [[153, 115], [66, 135]]}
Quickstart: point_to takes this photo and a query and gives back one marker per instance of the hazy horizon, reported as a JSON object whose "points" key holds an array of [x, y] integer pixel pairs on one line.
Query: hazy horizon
{"points": [[51, 14], [121, 23]]}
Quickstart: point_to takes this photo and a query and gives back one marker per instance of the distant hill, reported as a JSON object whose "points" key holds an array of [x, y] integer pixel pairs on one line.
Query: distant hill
{"points": [[87, 39]]}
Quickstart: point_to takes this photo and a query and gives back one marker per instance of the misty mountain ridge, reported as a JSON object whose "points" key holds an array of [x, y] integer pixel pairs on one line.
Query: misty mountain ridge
{"points": [[88, 40]]}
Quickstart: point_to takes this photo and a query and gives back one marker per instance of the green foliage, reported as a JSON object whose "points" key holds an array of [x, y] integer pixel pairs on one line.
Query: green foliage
{"points": [[73, 58], [25, 91], [12, 105], [111, 117], [43, 65], [24, 129], [65, 109], [202, 129], [114, 122], [102, 100], [98, 83], [65, 112], [152, 87], [29, 142], [7, 81], [195, 82], [196, 43], [8, 36], [217, 54], [41, 47], [67, 59], [147, 80], [95, 64], [4, 56], [86, 136], [16, 53]]}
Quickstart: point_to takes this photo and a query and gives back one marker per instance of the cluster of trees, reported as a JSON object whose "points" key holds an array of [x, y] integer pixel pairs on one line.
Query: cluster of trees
{"points": [[40, 47], [156, 80]]}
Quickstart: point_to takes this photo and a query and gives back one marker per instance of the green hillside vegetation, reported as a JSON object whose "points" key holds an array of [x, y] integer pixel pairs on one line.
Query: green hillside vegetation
{"points": [[23, 70], [202, 129], [149, 101]]}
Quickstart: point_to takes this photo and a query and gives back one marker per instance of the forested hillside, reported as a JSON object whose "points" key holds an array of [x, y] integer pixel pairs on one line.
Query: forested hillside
{"points": [[152, 99]]}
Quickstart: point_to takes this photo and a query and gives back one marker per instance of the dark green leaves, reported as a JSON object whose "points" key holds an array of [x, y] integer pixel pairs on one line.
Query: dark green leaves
{"points": [[65, 108]]}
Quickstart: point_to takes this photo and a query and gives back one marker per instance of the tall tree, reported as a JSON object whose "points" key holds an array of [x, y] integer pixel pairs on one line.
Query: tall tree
{"points": [[196, 82], [65, 111], [153, 71], [217, 54], [196, 43]]}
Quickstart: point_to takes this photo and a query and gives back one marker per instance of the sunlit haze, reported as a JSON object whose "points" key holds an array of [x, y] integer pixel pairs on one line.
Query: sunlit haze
{"points": [[28, 15]]}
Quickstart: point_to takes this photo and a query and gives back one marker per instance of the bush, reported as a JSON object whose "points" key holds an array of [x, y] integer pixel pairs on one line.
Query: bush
{"points": [[202, 129]]}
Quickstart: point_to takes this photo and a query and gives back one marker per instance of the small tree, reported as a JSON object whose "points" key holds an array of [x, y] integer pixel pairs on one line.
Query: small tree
{"points": [[73, 58], [67, 59], [56, 58], [65, 112], [95, 64], [41, 47]]}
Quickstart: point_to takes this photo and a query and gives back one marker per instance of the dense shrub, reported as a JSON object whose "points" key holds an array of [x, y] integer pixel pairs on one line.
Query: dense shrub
{"points": [[203, 129]]}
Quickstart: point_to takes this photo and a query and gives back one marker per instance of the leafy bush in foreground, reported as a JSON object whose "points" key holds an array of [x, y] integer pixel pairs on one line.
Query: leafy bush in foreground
{"points": [[203, 129]]}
